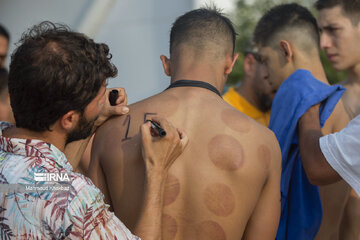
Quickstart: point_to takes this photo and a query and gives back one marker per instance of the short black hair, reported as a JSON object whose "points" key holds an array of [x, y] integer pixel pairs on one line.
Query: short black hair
{"points": [[4, 76], [201, 26], [350, 8], [4, 32], [285, 18], [55, 70]]}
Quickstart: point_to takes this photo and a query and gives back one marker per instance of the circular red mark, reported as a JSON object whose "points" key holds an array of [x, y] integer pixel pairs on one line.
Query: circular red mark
{"points": [[219, 199], [169, 227], [236, 120], [226, 152], [210, 230], [172, 189]]}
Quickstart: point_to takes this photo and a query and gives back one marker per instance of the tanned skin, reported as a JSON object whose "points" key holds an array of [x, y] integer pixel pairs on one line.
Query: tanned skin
{"points": [[225, 185], [340, 35]]}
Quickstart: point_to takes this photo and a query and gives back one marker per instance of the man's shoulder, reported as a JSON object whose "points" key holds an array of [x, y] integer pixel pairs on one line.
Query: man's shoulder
{"points": [[253, 136], [241, 122], [136, 111], [338, 119], [122, 129]]}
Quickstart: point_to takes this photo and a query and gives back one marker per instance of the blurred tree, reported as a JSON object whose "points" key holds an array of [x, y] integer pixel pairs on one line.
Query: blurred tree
{"points": [[245, 17]]}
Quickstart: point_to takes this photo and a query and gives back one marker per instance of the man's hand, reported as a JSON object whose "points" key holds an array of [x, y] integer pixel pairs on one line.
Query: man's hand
{"points": [[107, 111], [75, 150], [160, 152]]}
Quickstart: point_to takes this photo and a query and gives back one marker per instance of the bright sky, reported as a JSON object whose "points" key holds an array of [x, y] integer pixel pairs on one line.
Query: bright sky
{"points": [[227, 5]]}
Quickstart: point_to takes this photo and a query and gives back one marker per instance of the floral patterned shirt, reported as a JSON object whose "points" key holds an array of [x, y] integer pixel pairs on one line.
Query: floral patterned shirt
{"points": [[42, 198]]}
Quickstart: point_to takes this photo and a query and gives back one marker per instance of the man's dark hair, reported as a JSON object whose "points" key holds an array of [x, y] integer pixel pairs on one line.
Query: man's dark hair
{"points": [[55, 70], [201, 26], [3, 79], [287, 18], [252, 49], [350, 8], [4, 32]]}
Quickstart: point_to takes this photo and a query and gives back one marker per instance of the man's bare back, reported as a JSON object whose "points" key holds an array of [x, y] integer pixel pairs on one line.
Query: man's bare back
{"points": [[229, 173], [226, 184]]}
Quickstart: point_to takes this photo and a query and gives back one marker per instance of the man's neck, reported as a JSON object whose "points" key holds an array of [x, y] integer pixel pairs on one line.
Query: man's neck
{"points": [[354, 74], [200, 72], [315, 67], [46, 136]]}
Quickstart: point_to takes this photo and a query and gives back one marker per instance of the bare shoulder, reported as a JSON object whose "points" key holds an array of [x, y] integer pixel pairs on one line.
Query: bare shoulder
{"points": [[338, 119], [243, 124], [259, 141], [116, 129]]}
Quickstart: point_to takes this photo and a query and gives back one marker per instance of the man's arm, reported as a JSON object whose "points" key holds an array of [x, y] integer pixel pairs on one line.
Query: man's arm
{"points": [[265, 218], [158, 154], [318, 170], [74, 151]]}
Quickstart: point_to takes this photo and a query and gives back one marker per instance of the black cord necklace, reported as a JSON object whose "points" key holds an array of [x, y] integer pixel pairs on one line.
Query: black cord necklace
{"points": [[192, 83]]}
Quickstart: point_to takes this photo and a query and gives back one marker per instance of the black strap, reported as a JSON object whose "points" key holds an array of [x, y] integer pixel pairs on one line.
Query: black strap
{"points": [[192, 83]]}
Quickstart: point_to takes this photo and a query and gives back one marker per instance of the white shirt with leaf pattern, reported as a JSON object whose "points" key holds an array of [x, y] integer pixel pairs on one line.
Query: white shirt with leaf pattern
{"points": [[43, 212]]}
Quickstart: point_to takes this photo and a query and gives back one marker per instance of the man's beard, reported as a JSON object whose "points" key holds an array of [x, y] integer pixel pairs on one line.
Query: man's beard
{"points": [[265, 102], [82, 130]]}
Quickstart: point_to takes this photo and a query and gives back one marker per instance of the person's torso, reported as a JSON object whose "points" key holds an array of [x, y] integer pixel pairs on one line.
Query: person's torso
{"points": [[212, 188]]}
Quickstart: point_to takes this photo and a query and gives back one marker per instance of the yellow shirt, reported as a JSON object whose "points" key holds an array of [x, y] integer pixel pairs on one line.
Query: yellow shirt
{"points": [[241, 104]]}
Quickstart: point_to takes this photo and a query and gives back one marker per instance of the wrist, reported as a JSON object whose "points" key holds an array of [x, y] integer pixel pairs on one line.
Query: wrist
{"points": [[156, 176]]}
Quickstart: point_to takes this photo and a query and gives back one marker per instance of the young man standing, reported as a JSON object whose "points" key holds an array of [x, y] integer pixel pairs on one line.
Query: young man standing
{"points": [[288, 40], [207, 193], [339, 22]]}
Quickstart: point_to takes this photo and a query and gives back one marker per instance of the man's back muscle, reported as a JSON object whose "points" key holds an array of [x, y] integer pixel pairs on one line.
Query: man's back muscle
{"points": [[213, 188]]}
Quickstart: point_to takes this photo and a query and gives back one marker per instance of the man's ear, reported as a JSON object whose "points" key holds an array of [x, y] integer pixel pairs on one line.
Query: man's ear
{"points": [[249, 65], [230, 63], [166, 65], [69, 120], [286, 50]]}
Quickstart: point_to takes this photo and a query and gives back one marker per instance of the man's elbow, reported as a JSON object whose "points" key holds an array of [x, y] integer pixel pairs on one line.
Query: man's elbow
{"points": [[319, 177], [314, 176], [318, 181]]}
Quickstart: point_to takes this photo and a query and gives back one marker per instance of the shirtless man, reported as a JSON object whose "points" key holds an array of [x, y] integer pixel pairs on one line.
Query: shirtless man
{"points": [[339, 23], [226, 184], [288, 40]]}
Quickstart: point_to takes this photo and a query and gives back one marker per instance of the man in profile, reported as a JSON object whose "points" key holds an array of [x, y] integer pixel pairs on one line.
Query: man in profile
{"points": [[226, 183], [254, 96], [6, 113], [339, 22], [288, 40], [4, 45]]}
